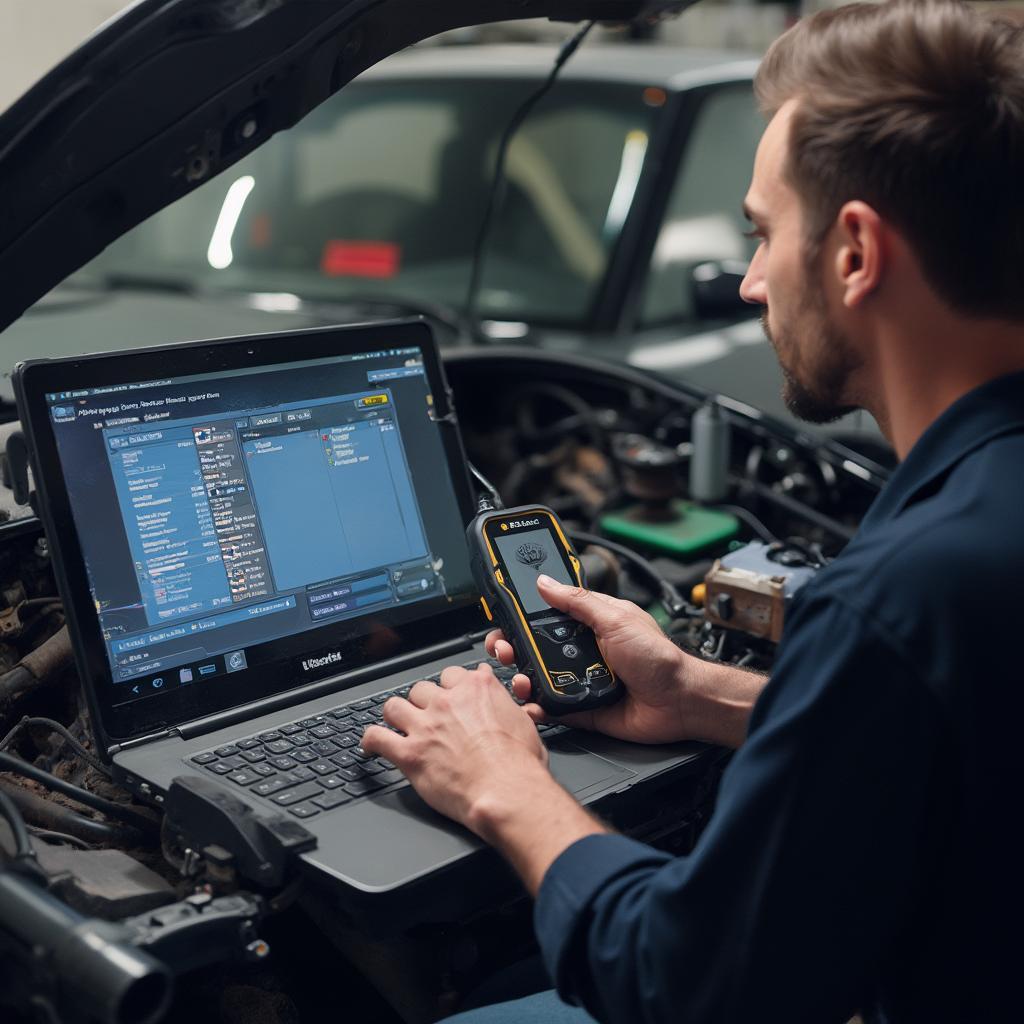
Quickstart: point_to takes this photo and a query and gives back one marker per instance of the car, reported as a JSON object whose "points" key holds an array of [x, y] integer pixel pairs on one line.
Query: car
{"points": [[619, 233], [183, 102]]}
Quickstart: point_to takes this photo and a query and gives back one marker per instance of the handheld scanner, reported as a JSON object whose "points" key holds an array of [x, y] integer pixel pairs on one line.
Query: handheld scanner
{"points": [[508, 551]]}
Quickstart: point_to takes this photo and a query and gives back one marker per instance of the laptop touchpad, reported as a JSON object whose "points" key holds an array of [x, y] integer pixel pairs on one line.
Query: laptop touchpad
{"points": [[579, 770]]}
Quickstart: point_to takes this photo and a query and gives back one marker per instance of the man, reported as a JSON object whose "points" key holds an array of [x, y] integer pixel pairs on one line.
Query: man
{"points": [[862, 854]]}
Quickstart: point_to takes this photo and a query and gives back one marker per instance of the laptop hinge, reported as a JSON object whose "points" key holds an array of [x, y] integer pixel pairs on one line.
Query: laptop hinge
{"points": [[138, 741], [320, 688]]}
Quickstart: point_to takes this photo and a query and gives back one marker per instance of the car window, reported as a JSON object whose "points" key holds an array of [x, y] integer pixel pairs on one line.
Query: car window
{"points": [[381, 191], [704, 219]]}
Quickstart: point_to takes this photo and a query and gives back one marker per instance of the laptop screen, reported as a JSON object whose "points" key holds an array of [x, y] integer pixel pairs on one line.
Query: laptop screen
{"points": [[228, 519]]}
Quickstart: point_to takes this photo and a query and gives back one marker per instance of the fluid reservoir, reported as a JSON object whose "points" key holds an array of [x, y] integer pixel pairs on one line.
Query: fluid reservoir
{"points": [[709, 463]]}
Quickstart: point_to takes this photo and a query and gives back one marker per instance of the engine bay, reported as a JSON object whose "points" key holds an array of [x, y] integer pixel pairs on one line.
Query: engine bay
{"points": [[697, 508]]}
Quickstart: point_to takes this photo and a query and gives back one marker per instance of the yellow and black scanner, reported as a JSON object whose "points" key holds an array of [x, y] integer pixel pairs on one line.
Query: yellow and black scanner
{"points": [[509, 549]]}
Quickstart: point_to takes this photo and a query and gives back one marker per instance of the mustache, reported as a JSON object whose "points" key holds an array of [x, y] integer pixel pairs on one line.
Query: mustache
{"points": [[764, 324]]}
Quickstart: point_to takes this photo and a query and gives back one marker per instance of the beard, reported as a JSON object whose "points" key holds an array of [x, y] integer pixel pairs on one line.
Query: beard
{"points": [[816, 365]]}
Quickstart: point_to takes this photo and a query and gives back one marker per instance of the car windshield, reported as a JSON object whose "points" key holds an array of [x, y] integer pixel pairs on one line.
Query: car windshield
{"points": [[380, 193]]}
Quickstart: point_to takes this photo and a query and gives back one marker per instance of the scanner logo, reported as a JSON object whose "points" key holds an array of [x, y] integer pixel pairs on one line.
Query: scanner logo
{"points": [[515, 524], [328, 659], [532, 555]]}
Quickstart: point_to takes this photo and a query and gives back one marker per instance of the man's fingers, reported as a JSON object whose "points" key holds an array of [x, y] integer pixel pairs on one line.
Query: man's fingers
{"points": [[521, 687], [422, 694], [586, 606], [399, 713], [383, 742], [491, 639], [452, 676]]}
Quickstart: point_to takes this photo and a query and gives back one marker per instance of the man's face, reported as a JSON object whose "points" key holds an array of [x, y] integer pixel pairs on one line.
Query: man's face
{"points": [[787, 277]]}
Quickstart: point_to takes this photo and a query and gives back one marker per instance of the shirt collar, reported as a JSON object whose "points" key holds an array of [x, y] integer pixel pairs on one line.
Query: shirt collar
{"points": [[987, 412]]}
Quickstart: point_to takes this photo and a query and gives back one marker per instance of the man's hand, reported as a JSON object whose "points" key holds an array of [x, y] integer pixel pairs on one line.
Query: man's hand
{"points": [[670, 695], [473, 754], [466, 742]]}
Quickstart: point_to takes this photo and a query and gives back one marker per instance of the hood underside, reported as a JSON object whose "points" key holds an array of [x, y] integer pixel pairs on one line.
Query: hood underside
{"points": [[172, 92]]}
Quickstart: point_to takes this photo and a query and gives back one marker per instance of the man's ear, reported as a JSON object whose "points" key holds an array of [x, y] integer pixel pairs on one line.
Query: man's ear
{"points": [[860, 253]]}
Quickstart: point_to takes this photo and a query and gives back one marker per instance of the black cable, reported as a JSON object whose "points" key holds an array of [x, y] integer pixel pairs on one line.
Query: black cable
{"points": [[495, 497], [497, 181], [23, 848], [86, 755], [671, 600], [62, 837], [798, 508], [751, 520], [9, 763]]}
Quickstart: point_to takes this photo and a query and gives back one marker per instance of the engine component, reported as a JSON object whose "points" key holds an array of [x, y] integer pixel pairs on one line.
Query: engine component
{"points": [[709, 463], [689, 530], [68, 961], [748, 590], [202, 819]]}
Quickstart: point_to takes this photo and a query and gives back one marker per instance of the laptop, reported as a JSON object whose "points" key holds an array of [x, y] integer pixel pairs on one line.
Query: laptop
{"points": [[257, 541]]}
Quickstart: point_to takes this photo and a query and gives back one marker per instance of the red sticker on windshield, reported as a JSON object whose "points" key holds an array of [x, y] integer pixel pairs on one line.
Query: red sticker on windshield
{"points": [[360, 259]]}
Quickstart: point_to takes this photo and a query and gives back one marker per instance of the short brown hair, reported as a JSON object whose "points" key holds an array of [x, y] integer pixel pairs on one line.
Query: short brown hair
{"points": [[917, 108]]}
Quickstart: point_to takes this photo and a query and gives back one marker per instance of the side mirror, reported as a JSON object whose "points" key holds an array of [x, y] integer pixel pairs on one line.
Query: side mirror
{"points": [[715, 289]]}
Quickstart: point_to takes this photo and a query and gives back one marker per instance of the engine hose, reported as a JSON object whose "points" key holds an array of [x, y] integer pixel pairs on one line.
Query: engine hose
{"points": [[9, 763], [45, 661], [57, 818]]}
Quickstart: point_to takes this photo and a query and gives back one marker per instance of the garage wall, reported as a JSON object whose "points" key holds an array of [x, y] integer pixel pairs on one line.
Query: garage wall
{"points": [[36, 34]]}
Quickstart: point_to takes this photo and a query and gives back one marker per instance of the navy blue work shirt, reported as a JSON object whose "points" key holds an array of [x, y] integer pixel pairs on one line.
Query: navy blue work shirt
{"points": [[864, 853]]}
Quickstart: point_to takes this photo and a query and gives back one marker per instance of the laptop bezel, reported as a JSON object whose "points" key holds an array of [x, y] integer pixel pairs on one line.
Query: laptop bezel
{"points": [[34, 379]]}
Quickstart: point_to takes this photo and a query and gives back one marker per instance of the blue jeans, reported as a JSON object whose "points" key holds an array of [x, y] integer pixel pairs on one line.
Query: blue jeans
{"points": [[542, 1008]]}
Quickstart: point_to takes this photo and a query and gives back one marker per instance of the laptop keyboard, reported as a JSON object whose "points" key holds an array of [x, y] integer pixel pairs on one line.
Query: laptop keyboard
{"points": [[313, 765]]}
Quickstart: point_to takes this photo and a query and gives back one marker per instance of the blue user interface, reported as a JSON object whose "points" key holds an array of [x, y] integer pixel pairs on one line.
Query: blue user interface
{"points": [[220, 513]]}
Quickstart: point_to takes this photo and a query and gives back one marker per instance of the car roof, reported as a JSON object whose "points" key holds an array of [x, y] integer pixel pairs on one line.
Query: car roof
{"points": [[671, 67]]}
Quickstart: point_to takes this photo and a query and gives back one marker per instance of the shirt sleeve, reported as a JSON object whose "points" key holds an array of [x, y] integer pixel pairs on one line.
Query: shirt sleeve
{"points": [[807, 872]]}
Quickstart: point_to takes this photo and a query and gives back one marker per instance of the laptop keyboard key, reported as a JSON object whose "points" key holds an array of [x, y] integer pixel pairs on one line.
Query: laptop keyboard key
{"points": [[302, 773], [254, 756], [272, 785], [269, 737], [303, 755], [331, 781], [361, 705], [323, 767], [226, 751], [371, 768], [339, 713], [343, 760], [248, 744], [365, 718], [309, 723], [322, 732], [353, 773], [207, 757], [281, 746], [333, 799], [296, 794], [389, 778], [284, 762], [303, 810], [361, 787], [382, 697], [263, 770], [301, 739], [348, 740], [221, 767], [243, 777]]}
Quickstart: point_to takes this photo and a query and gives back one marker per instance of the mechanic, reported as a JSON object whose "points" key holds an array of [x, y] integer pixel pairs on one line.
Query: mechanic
{"points": [[861, 856]]}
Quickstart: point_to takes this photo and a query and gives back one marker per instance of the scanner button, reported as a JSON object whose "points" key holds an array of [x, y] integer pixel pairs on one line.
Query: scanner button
{"points": [[562, 632], [565, 678], [571, 651]]}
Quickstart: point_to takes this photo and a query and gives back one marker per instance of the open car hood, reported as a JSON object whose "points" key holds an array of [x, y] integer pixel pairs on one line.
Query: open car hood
{"points": [[172, 92]]}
